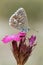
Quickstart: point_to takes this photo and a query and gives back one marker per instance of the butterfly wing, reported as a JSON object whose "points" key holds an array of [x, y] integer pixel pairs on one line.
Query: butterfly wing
{"points": [[19, 20]]}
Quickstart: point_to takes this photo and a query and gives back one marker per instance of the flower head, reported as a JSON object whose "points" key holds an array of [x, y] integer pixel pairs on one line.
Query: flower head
{"points": [[21, 52]]}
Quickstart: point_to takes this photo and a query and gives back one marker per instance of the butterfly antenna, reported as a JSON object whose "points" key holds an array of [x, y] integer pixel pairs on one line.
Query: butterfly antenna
{"points": [[31, 28], [35, 30]]}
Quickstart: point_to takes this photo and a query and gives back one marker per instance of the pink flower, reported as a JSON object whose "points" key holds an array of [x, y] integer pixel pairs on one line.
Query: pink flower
{"points": [[32, 40], [15, 37], [18, 37], [21, 52]]}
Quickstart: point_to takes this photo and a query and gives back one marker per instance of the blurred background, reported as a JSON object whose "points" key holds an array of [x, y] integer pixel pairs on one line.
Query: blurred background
{"points": [[34, 10]]}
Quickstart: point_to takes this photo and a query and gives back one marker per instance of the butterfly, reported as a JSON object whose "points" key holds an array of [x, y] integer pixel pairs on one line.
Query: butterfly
{"points": [[19, 20]]}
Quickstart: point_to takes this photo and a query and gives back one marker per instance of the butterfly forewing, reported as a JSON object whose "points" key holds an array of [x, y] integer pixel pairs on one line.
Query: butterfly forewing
{"points": [[19, 20]]}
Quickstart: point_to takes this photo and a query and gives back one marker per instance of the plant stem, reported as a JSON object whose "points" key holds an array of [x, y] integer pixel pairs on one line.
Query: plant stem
{"points": [[20, 64]]}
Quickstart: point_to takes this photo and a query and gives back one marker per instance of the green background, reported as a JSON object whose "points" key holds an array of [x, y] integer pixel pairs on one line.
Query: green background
{"points": [[34, 10]]}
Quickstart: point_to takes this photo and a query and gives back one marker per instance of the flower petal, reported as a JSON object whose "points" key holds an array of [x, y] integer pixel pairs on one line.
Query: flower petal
{"points": [[7, 39], [15, 37], [22, 34], [32, 40]]}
